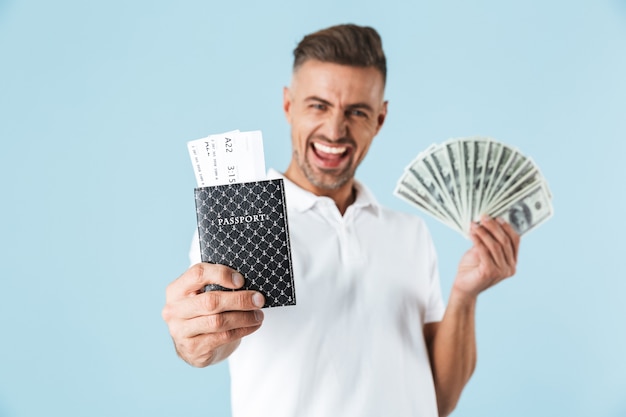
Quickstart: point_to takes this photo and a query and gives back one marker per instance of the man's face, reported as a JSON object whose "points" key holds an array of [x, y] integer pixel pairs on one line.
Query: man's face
{"points": [[519, 219], [334, 111]]}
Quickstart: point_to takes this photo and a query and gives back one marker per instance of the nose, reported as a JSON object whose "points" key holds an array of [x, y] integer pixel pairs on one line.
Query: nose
{"points": [[336, 126]]}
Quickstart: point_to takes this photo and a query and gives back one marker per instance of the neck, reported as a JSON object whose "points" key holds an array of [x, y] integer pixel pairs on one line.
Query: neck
{"points": [[343, 196]]}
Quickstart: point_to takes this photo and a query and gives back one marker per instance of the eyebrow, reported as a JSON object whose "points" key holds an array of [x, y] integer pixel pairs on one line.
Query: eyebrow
{"points": [[316, 98], [349, 107]]}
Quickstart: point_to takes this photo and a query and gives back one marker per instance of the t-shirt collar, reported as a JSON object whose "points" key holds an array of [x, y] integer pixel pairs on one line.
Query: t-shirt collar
{"points": [[302, 200]]}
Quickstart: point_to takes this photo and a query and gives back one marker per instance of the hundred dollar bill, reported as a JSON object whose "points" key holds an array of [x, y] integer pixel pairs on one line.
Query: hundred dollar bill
{"points": [[503, 160], [464, 178], [456, 157], [486, 175], [420, 170], [529, 210], [442, 168], [481, 147], [408, 191]]}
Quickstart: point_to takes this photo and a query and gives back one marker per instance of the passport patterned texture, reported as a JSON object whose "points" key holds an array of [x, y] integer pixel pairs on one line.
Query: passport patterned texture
{"points": [[244, 226]]}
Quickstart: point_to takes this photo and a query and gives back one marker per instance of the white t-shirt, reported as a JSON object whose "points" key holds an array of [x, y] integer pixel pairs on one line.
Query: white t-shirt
{"points": [[353, 345]]}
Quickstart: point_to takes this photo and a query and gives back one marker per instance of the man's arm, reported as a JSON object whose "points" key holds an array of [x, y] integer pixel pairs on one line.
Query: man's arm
{"points": [[452, 342], [208, 326]]}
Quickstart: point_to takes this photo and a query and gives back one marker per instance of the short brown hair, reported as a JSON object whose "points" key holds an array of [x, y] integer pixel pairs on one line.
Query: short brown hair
{"points": [[349, 44]]}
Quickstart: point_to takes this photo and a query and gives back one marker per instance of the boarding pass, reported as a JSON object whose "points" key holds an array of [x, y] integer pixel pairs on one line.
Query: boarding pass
{"points": [[228, 158]]}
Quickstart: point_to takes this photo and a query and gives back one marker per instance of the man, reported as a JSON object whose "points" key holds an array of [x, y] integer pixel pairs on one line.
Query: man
{"points": [[520, 217], [369, 335]]}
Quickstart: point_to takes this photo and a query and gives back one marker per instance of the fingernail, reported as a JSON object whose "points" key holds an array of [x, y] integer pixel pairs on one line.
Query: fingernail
{"points": [[258, 299], [258, 315], [486, 218], [237, 279], [501, 220]]}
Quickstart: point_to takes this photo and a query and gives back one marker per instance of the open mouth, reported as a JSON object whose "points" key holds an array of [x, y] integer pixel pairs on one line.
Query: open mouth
{"points": [[330, 155]]}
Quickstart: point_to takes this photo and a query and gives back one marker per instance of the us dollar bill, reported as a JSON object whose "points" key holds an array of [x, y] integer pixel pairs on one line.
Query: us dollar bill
{"points": [[527, 211], [463, 178]]}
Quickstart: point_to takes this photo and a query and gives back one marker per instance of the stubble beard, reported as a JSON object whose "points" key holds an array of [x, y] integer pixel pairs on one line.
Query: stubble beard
{"points": [[324, 179]]}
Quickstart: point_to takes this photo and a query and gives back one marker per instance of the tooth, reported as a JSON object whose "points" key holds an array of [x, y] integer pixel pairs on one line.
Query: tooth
{"points": [[330, 149]]}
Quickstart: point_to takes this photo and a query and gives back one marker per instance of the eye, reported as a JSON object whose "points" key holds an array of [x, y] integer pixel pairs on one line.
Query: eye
{"points": [[357, 113], [318, 106]]}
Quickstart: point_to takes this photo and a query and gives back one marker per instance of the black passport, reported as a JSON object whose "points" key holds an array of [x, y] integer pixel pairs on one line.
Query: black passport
{"points": [[244, 226]]}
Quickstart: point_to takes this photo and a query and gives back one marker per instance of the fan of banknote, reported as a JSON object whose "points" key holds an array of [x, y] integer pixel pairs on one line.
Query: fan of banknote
{"points": [[463, 178]]}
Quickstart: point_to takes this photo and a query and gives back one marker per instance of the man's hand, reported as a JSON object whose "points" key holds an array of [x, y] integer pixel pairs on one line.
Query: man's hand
{"points": [[207, 326], [452, 342], [492, 258]]}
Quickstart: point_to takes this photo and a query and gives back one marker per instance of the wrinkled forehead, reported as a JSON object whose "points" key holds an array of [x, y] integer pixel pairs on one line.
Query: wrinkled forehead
{"points": [[359, 83]]}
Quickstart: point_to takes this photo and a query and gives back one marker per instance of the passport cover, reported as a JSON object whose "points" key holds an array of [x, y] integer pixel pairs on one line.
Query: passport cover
{"points": [[244, 226]]}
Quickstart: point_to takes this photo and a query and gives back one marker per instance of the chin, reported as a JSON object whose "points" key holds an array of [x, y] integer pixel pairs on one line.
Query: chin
{"points": [[329, 182]]}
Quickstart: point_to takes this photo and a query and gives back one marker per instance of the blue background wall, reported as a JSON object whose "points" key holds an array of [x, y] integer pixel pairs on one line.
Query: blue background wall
{"points": [[97, 101]]}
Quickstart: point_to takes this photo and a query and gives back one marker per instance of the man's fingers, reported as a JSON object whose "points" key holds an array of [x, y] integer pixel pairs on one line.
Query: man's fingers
{"points": [[489, 244], [498, 241], [205, 325], [201, 350], [199, 275], [213, 302], [508, 239], [219, 323], [514, 237]]}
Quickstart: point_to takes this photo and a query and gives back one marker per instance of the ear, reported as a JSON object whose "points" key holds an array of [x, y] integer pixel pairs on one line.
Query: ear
{"points": [[287, 103], [381, 116]]}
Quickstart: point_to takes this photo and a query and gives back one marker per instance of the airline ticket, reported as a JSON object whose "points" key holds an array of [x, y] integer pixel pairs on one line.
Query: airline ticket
{"points": [[228, 158]]}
